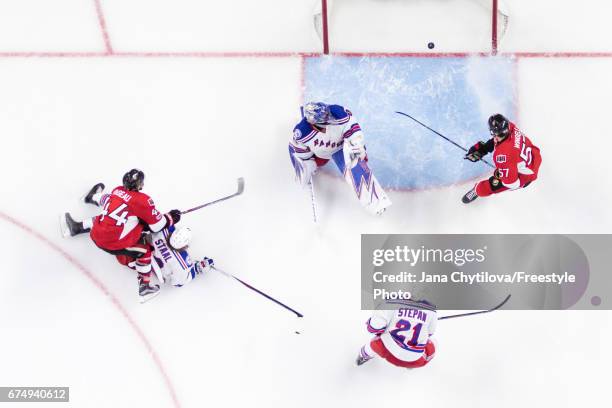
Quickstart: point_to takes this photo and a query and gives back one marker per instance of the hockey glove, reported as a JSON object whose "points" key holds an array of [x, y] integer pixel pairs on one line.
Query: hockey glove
{"points": [[204, 265], [495, 182], [173, 217], [475, 153]]}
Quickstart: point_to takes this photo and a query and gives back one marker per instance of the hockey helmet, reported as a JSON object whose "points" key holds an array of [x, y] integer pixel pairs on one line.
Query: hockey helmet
{"points": [[133, 180], [180, 238], [499, 125], [316, 112]]}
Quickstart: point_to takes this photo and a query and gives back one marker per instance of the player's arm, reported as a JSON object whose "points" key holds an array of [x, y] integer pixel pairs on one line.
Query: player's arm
{"points": [[377, 324], [354, 140], [302, 158], [479, 150]]}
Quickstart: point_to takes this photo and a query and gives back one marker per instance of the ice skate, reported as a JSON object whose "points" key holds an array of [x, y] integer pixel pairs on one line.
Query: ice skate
{"points": [[360, 360], [70, 227], [146, 290], [97, 189], [469, 196]]}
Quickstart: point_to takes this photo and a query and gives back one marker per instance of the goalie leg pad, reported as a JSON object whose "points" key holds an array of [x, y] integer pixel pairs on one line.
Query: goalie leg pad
{"points": [[304, 170], [361, 179]]}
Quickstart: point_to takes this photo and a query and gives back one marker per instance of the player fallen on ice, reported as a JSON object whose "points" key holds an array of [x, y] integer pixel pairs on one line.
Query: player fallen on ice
{"points": [[402, 335], [331, 132], [516, 159], [121, 228], [172, 261]]}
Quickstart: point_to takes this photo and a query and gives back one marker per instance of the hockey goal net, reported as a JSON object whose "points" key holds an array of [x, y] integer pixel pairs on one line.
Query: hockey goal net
{"points": [[496, 10]]}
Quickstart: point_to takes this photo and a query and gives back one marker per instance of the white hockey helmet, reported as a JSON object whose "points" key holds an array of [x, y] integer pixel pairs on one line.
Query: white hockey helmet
{"points": [[180, 238]]}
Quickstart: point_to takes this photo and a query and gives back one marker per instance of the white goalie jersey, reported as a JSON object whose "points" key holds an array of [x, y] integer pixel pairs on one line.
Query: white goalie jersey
{"points": [[325, 139]]}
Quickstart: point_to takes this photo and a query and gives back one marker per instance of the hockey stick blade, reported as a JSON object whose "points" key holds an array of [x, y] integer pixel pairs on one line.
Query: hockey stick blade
{"points": [[480, 312], [237, 193], [442, 136], [229, 275]]}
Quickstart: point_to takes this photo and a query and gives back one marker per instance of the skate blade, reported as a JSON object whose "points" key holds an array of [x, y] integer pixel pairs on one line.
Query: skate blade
{"points": [[146, 298], [64, 230]]}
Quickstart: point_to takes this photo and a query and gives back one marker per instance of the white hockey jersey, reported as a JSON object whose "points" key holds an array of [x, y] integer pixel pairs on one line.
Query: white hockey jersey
{"points": [[326, 139], [404, 331]]}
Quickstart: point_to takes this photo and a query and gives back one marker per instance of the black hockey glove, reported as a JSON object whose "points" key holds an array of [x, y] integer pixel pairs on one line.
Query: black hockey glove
{"points": [[173, 216], [495, 182], [479, 150]]}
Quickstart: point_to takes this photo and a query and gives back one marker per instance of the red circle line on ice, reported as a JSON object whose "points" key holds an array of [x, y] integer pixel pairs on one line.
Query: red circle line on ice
{"points": [[106, 292]]}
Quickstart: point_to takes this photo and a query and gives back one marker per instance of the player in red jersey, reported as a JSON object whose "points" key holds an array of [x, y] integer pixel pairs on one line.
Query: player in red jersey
{"points": [[516, 159], [118, 230]]}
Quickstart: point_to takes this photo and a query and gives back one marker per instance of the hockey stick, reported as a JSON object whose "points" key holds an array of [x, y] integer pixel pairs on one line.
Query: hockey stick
{"points": [[442, 136], [229, 275], [312, 200], [237, 193], [475, 313]]}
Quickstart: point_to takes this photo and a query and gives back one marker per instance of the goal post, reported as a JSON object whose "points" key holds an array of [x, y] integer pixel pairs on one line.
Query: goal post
{"points": [[499, 15]]}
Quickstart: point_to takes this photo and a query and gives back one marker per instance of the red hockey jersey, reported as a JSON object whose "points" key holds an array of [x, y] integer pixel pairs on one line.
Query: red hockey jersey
{"points": [[124, 216], [516, 155]]}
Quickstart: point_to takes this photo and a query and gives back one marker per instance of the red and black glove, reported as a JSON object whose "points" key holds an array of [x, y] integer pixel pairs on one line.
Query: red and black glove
{"points": [[479, 150], [173, 216]]}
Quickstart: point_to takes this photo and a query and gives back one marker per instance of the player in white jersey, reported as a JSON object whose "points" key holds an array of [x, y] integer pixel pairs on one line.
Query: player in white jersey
{"points": [[331, 132], [403, 335], [171, 261]]}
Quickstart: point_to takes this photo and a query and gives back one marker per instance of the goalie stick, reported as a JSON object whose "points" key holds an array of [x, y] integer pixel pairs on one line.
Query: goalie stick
{"points": [[229, 275], [312, 200], [442, 136], [475, 313], [237, 193]]}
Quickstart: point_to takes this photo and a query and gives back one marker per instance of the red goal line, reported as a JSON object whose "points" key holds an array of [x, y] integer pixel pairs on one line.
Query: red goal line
{"points": [[290, 54]]}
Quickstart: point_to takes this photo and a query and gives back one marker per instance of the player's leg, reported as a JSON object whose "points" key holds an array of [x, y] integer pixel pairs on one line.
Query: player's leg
{"points": [[138, 257], [361, 179], [484, 188], [144, 253], [71, 227], [366, 353], [94, 195], [304, 168]]}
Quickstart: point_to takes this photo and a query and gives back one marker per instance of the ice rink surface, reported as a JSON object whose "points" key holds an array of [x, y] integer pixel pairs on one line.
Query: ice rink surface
{"points": [[92, 89]]}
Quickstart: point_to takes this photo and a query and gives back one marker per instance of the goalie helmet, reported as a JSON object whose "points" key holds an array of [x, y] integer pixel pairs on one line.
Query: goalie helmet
{"points": [[133, 180], [499, 125], [180, 238], [316, 112]]}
